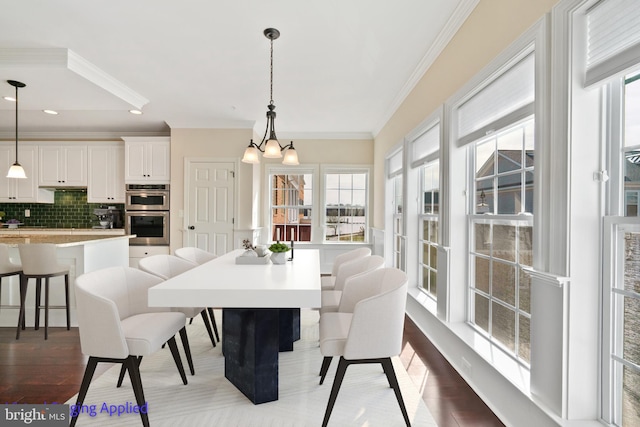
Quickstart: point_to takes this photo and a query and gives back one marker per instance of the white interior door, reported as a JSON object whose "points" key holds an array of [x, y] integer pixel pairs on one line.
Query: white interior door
{"points": [[210, 206]]}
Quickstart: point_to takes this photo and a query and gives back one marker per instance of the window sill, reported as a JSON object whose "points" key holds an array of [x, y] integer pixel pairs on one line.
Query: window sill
{"points": [[502, 362]]}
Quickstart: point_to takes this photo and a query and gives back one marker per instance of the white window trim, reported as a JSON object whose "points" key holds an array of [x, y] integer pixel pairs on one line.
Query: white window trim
{"points": [[453, 212], [351, 169], [389, 214]]}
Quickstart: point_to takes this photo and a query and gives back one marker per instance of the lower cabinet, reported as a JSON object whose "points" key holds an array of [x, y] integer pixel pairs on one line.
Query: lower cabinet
{"points": [[136, 253]]}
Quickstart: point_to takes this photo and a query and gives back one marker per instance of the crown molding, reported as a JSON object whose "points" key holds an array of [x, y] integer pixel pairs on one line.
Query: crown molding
{"points": [[459, 16], [78, 136], [62, 58], [95, 75], [211, 124], [324, 135]]}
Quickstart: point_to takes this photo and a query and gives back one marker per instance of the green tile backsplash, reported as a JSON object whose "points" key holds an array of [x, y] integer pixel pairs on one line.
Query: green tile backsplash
{"points": [[69, 210]]}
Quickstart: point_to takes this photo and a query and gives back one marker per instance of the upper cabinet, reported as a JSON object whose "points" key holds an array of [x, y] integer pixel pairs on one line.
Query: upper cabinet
{"points": [[14, 190], [106, 174], [147, 160], [63, 166]]}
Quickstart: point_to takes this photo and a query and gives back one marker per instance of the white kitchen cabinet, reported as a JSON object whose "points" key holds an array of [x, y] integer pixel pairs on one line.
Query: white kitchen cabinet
{"points": [[106, 173], [63, 166], [147, 160], [14, 190]]}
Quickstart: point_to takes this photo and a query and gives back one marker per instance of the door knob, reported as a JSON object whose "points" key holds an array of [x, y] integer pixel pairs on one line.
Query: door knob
{"points": [[191, 227]]}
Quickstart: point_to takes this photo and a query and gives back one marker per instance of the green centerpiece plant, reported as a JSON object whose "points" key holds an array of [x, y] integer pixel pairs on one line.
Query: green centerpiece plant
{"points": [[279, 251], [279, 247]]}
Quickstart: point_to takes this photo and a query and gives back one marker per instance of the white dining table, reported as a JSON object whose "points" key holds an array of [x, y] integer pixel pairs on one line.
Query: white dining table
{"points": [[260, 307]]}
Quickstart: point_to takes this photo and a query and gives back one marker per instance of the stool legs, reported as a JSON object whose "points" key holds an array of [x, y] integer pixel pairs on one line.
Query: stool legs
{"points": [[46, 308], [23, 296], [66, 299], [24, 280], [38, 302]]}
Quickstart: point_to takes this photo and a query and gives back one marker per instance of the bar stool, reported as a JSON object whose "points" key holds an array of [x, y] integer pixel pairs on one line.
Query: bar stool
{"points": [[7, 268], [40, 261]]}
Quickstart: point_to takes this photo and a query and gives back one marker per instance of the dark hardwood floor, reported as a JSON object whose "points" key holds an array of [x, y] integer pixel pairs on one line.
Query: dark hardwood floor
{"points": [[36, 371], [449, 398]]}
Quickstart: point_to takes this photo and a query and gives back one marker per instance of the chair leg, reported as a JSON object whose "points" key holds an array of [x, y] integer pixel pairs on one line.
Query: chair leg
{"points": [[387, 365], [38, 303], [213, 323], [86, 380], [23, 295], [337, 382], [205, 318], [123, 370], [66, 300], [325, 367], [176, 357], [133, 364], [187, 349], [46, 308]]}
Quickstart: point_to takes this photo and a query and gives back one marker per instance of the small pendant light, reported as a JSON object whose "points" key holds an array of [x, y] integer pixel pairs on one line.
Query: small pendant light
{"points": [[16, 170]]}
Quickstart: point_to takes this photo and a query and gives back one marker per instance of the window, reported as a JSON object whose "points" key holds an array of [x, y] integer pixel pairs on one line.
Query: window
{"points": [[395, 200], [623, 350], [429, 189], [291, 206], [398, 225], [632, 146], [501, 236], [345, 206]]}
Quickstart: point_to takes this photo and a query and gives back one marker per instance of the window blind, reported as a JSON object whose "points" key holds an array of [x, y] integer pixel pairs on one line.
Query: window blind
{"points": [[395, 163], [510, 97], [613, 38], [424, 145]]}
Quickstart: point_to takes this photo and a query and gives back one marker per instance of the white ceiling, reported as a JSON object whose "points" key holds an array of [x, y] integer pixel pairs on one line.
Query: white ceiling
{"points": [[341, 67]]}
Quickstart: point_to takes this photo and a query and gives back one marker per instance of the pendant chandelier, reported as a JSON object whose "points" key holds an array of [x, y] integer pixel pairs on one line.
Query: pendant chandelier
{"points": [[16, 171], [271, 147]]}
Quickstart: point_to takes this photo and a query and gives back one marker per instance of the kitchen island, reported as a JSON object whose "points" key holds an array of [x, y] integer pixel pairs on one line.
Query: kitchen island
{"points": [[83, 250]]}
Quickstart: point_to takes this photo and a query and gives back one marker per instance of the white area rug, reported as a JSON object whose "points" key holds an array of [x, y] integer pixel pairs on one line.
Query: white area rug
{"points": [[365, 398]]}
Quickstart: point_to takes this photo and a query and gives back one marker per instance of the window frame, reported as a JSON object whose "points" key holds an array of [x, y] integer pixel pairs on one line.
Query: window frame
{"points": [[423, 217], [345, 169], [271, 170]]}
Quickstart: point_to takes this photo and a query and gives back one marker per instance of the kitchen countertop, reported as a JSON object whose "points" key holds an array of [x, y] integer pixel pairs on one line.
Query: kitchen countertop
{"points": [[60, 240], [62, 231]]}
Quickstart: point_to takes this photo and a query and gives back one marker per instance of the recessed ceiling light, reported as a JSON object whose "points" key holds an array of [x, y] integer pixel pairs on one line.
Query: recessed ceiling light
{"points": [[50, 112], [9, 98], [137, 112]]}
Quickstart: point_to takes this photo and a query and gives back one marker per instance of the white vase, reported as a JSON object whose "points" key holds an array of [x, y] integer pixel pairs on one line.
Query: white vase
{"points": [[278, 257]]}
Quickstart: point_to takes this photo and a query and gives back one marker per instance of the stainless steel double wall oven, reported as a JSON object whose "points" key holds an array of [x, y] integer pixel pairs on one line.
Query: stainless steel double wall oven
{"points": [[147, 214]]}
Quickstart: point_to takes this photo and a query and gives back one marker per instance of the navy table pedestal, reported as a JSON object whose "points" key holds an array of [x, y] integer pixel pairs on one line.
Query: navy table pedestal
{"points": [[289, 328], [252, 338]]}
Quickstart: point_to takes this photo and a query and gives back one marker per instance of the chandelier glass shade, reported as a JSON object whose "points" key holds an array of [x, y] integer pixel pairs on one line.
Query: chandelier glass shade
{"points": [[270, 147]]}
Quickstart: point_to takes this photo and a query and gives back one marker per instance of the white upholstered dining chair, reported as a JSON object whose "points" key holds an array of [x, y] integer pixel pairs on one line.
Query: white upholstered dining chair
{"points": [[116, 325], [330, 299], [195, 255], [369, 330], [165, 267], [200, 256], [328, 282]]}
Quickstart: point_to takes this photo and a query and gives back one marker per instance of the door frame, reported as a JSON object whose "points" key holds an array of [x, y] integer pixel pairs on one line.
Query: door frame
{"points": [[188, 162]]}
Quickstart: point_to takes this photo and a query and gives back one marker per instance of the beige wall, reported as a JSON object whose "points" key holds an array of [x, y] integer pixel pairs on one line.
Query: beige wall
{"points": [[491, 27], [214, 144], [230, 144]]}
